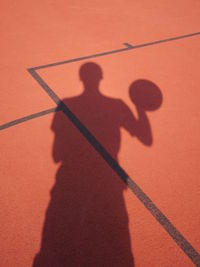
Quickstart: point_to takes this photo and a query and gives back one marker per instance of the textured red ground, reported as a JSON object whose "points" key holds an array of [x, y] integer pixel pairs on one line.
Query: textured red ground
{"points": [[36, 33]]}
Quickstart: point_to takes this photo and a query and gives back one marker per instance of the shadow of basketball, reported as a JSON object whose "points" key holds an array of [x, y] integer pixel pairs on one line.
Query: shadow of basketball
{"points": [[145, 95]]}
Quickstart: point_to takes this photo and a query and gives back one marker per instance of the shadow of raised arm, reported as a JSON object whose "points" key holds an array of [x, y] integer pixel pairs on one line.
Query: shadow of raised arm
{"points": [[146, 96]]}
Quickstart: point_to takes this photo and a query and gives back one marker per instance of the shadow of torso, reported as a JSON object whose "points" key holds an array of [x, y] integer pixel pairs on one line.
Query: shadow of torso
{"points": [[86, 221]]}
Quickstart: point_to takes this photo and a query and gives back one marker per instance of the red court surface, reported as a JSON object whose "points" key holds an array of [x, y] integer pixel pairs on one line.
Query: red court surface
{"points": [[109, 176]]}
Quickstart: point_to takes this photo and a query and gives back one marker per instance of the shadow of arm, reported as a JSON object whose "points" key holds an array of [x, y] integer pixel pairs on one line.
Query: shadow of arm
{"points": [[137, 127]]}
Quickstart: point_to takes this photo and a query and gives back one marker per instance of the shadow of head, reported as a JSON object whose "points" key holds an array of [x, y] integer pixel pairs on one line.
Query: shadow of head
{"points": [[145, 95], [90, 74]]}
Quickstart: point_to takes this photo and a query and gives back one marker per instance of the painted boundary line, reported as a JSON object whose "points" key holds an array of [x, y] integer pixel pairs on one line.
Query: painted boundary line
{"points": [[27, 118], [127, 48], [180, 240]]}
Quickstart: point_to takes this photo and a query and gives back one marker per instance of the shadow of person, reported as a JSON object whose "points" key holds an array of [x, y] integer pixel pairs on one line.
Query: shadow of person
{"points": [[86, 222]]}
